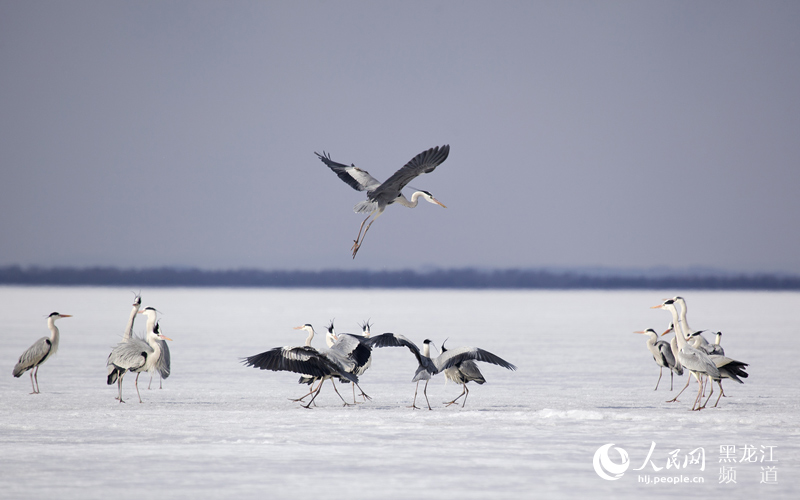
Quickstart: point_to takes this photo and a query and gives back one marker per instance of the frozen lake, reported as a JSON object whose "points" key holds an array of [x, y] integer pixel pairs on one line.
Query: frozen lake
{"points": [[219, 428]]}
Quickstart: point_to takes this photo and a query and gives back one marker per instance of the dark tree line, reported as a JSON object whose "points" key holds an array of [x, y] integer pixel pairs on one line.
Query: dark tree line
{"points": [[448, 278]]}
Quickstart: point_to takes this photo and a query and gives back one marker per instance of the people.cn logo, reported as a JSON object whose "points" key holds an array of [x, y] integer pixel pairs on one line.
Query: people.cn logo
{"points": [[607, 469]]}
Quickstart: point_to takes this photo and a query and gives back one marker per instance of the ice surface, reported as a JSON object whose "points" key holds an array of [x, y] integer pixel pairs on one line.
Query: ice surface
{"points": [[219, 428]]}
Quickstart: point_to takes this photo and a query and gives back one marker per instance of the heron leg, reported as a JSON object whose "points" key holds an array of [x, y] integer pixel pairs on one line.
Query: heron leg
{"points": [[151, 381], [309, 392], [660, 372], [360, 228], [363, 394], [462, 393], [721, 393], [137, 386], [414, 402], [358, 244], [711, 386], [698, 398], [463, 403], [688, 380], [425, 392], [119, 385], [315, 394], [33, 387], [337, 393], [671, 374]]}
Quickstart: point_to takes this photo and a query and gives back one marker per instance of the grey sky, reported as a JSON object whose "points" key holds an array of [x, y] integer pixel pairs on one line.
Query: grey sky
{"points": [[622, 134]]}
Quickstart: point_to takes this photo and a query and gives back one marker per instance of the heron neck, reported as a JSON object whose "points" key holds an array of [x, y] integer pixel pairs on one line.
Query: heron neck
{"points": [[414, 199], [310, 336], [129, 327], [679, 334], [54, 336]]}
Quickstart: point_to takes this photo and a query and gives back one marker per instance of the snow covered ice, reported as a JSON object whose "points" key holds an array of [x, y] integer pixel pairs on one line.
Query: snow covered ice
{"points": [[218, 428]]}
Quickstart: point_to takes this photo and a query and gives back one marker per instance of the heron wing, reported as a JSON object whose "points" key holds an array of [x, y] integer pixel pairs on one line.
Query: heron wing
{"points": [[423, 163], [164, 361], [394, 340], [304, 360], [697, 361], [454, 356], [130, 355], [32, 356], [354, 347], [467, 371], [665, 352], [358, 179]]}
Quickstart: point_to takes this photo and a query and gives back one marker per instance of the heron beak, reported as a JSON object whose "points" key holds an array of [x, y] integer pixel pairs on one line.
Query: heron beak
{"points": [[660, 306], [641, 331], [438, 202], [666, 332], [66, 315], [298, 327], [164, 337]]}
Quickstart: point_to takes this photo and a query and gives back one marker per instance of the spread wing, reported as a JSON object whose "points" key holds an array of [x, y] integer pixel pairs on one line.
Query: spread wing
{"points": [[423, 163], [454, 356], [358, 179], [305, 360]]}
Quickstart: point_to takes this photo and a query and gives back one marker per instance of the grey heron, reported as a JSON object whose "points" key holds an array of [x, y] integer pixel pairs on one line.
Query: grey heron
{"points": [[381, 195], [164, 361], [459, 366], [662, 354], [452, 360], [356, 349], [136, 355], [694, 360], [128, 332], [39, 352], [306, 360], [425, 369]]}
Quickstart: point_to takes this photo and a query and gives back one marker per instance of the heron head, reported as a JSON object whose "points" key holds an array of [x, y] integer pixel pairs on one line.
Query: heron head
{"points": [[157, 331], [427, 196]]}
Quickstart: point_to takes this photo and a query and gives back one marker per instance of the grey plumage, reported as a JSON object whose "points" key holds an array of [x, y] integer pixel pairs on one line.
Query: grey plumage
{"points": [[662, 355], [39, 352], [136, 355], [313, 364], [459, 366], [380, 195]]}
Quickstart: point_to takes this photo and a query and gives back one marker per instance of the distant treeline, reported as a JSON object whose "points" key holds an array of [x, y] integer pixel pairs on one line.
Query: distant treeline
{"points": [[452, 278]]}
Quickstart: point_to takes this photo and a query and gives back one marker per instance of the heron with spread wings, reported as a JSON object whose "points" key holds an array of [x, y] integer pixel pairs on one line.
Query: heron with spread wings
{"points": [[381, 195]]}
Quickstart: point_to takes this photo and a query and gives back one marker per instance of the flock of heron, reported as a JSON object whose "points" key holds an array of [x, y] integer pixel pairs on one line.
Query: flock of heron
{"points": [[348, 356], [690, 351], [131, 354]]}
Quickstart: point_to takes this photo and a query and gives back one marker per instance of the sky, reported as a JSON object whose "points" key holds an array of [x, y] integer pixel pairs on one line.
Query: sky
{"points": [[613, 134]]}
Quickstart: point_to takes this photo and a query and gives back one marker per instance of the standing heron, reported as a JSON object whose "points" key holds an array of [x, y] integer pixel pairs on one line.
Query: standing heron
{"points": [[662, 354], [163, 364], [425, 369], [381, 195], [137, 355], [692, 359], [39, 352], [459, 366]]}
